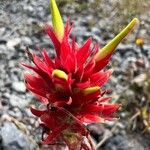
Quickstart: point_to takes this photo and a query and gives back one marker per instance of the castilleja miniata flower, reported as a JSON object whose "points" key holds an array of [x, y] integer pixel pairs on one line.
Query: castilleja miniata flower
{"points": [[70, 85]]}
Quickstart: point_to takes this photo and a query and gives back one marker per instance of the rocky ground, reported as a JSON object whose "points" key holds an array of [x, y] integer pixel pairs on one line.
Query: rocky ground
{"points": [[20, 26]]}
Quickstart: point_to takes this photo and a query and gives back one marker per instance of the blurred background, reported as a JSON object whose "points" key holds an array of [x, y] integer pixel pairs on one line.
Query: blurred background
{"points": [[21, 24]]}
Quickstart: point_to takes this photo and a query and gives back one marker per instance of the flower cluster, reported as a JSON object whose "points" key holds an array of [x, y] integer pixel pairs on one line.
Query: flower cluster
{"points": [[69, 86]]}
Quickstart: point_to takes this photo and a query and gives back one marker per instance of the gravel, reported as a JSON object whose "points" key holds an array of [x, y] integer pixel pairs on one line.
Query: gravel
{"points": [[19, 87], [14, 139], [121, 142]]}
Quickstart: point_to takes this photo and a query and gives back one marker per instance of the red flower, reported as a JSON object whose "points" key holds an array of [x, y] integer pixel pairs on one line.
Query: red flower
{"points": [[70, 87]]}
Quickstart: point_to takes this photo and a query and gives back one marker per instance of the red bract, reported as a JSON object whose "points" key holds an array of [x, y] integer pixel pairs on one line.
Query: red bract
{"points": [[70, 88]]}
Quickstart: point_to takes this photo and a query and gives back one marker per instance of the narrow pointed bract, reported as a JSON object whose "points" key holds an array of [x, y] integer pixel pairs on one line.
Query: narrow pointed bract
{"points": [[69, 86], [56, 20], [110, 47]]}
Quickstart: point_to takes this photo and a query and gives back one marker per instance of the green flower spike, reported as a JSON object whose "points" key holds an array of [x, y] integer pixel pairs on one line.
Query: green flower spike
{"points": [[56, 20], [110, 47]]}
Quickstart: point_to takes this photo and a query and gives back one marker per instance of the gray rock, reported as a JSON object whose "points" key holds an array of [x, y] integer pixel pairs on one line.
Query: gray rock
{"points": [[26, 40], [2, 48], [96, 31], [2, 30], [19, 87], [12, 43], [96, 130], [29, 9], [78, 31], [14, 139], [18, 101], [120, 142]]}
